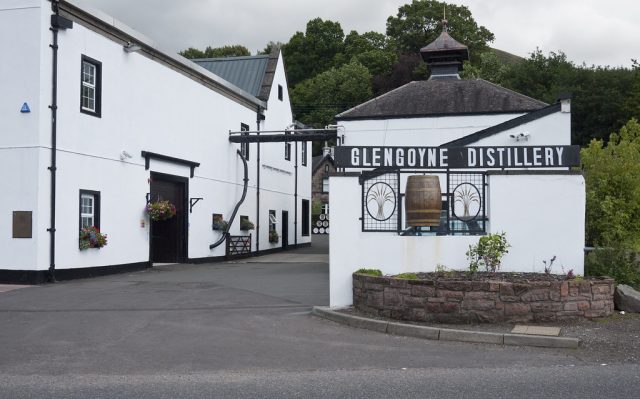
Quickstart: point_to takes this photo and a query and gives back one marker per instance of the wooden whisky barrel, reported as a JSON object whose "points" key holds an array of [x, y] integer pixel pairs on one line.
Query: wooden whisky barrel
{"points": [[423, 201]]}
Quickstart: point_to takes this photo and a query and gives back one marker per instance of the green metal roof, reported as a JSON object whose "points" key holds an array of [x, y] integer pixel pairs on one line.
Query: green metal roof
{"points": [[246, 73]]}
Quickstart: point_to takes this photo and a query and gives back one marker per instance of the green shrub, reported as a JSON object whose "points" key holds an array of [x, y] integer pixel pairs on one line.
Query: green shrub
{"points": [[370, 272], [488, 252], [407, 276], [617, 263]]}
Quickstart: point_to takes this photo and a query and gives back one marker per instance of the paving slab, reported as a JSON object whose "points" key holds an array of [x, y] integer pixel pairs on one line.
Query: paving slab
{"points": [[536, 330]]}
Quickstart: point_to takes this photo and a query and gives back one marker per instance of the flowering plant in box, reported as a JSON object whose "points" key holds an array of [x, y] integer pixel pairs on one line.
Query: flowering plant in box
{"points": [[273, 236], [90, 237], [161, 210], [246, 224]]}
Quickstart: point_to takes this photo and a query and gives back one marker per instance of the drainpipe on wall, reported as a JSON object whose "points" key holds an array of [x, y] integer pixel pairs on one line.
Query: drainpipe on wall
{"points": [[57, 23], [295, 197], [259, 118]]}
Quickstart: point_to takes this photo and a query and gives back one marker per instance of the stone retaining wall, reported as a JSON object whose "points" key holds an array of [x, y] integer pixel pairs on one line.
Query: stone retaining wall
{"points": [[482, 301]]}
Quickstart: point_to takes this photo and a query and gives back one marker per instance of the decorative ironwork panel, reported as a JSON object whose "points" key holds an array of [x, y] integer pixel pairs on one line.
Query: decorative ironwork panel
{"points": [[466, 202], [381, 201]]}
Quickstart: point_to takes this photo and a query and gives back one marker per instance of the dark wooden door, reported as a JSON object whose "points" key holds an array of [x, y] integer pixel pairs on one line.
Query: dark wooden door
{"points": [[285, 229], [169, 237]]}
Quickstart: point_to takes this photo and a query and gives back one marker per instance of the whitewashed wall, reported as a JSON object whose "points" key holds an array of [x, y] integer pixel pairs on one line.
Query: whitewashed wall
{"points": [[542, 215], [146, 106]]}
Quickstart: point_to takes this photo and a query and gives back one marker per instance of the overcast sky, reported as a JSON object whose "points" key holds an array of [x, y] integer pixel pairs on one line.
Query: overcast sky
{"points": [[591, 31]]}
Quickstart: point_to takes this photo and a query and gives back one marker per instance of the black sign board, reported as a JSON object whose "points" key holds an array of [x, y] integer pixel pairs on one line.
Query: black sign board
{"points": [[515, 157]]}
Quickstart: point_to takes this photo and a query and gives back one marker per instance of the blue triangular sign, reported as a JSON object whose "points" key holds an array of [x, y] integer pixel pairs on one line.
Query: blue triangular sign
{"points": [[25, 108]]}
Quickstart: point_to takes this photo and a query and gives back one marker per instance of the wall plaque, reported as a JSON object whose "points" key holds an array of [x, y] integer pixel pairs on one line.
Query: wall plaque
{"points": [[22, 224]]}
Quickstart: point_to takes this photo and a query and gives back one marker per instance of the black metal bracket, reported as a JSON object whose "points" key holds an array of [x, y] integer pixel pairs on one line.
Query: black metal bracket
{"points": [[192, 202]]}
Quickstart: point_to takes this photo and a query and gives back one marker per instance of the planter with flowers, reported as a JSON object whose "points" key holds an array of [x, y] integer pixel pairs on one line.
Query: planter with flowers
{"points": [[161, 210], [246, 224], [90, 237], [273, 237], [219, 223]]}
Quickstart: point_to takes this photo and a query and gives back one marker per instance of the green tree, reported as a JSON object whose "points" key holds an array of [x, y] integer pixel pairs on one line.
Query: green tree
{"points": [[372, 49], [600, 94], [314, 51], [235, 50], [316, 101], [612, 176], [489, 68], [419, 23]]}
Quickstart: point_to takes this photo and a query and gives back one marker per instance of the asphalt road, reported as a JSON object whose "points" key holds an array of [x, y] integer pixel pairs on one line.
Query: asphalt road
{"points": [[244, 330]]}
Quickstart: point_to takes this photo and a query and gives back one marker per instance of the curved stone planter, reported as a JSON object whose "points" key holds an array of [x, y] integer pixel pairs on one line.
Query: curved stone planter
{"points": [[482, 301]]}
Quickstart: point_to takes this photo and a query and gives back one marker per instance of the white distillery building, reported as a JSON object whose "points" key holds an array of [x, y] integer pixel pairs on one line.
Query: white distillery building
{"points": [[97, 121], [539, 207]]}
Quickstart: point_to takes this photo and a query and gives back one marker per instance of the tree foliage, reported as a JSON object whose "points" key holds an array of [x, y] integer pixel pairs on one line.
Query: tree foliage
{"points": [[612, 176], [314, 51], [316, 101], [236, 50], [419, 23]]}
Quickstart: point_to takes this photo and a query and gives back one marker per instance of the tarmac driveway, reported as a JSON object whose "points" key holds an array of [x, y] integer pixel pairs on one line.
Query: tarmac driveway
{"points": [[237, 330]]}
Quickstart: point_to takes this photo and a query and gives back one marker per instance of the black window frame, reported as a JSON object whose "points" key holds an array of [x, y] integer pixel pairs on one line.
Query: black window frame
{"points": [[244, 147], [306, 218], [98, 86], [96, 207], [272, 226], [303, 154], [280, 93], [287, 149], [323, 180]]}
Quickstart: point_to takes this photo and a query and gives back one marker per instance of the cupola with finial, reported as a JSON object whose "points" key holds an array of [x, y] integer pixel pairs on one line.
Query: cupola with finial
{"points": [[445, 55]]}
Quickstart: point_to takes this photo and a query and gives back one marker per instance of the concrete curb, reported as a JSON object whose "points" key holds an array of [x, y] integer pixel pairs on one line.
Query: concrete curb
{"points": [[444, 334]]}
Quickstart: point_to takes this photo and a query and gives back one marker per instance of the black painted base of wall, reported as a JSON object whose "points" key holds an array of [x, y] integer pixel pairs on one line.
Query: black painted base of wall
{"points": [[42, 276], [30, 277], [213, 259]]}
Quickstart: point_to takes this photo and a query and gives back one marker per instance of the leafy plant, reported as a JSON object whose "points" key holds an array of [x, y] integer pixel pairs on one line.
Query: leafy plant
{"points": [[219, 223], [90, 237], [548, 266], [570, 275], [488, 252], [161, 210], [273, 236], [619, 264], [407, 276], [370, 272], [246, 224]]}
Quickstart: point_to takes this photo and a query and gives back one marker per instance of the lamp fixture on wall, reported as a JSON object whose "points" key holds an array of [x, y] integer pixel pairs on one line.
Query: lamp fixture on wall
{"points": [[130, 47], [520, 137], [124, 155]]}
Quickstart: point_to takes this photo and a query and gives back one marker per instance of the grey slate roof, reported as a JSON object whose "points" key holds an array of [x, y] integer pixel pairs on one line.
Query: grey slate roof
{"points": [[441, 98], [247, 73]]}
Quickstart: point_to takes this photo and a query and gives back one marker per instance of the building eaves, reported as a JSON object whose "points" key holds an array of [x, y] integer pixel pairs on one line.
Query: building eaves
{"points": [[510, 124], [119, 32]]}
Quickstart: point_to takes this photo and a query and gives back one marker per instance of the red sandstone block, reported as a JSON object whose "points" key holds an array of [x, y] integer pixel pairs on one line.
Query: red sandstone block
{"points": [[479, 304], [598, 305], [480, 295], [564, 289], [516, 308], [539, 294], [450, 307], [424, 291], [450, 294], [494, 286], [414, 301], [436, 300], [432, 307], [544, 317], [546, 307], [506, 289]]}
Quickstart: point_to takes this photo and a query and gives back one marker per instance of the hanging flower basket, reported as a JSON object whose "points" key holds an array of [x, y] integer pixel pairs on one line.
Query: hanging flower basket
{"points": [[90, 237], [161, 210]]}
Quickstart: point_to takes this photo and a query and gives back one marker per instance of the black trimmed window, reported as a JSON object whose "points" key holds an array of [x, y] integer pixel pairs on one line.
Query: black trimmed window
{"points": [[244, 147], [325, 185], [89, 210], [287, 148], [304, 153], [272, 220], [91, 86], [326, 168], [305, 217], [280, 93]]}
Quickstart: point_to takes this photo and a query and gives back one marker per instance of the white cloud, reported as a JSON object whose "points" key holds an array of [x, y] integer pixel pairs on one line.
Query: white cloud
{"points": [[596, 32]]}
